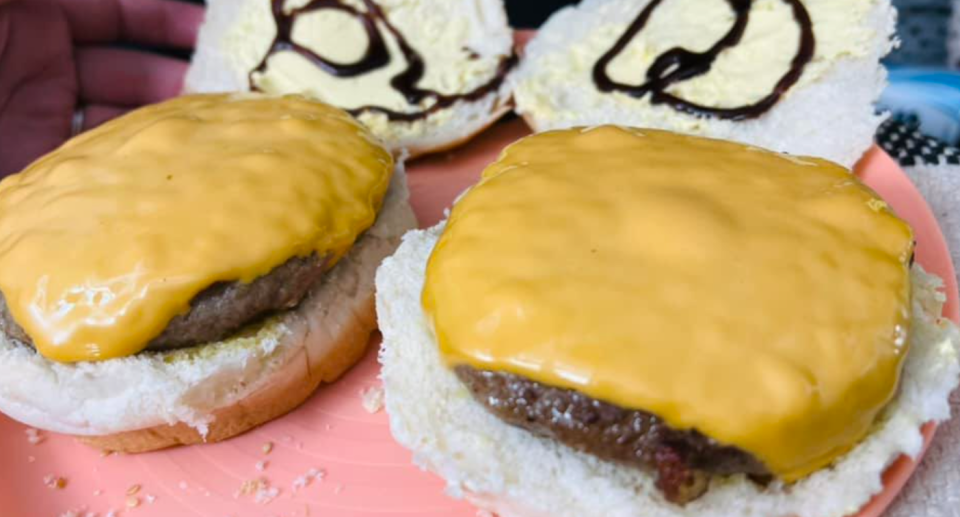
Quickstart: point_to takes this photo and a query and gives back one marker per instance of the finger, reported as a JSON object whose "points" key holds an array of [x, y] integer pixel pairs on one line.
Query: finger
{"points": [[38, 87], [161, 23], [30, 129], [127, 77], [96, 114]]}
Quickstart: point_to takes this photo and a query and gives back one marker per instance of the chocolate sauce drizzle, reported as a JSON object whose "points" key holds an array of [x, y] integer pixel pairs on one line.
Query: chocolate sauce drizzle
{"points": [[679, 64], [376, 56]]}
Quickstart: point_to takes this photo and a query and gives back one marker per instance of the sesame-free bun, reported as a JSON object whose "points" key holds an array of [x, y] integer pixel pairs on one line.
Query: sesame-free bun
{"points": [[830, 114], [515, 473], [214, 391], [234, 38]]}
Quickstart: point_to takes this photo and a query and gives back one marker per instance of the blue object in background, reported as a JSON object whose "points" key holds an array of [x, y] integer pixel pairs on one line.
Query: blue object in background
{"points": [[926, 98], [923, 27]]}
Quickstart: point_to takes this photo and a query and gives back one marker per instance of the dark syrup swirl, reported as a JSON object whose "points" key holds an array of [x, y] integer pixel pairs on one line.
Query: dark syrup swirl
{"points": [[678, 64], [377, 56]]}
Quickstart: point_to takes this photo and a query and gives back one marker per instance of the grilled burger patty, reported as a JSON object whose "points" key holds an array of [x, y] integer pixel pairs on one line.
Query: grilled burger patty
{"points": [[223, 308], [683, 460]]}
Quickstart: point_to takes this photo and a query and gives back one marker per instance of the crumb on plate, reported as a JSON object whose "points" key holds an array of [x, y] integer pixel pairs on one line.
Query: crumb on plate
{"points": [[372, 399]]}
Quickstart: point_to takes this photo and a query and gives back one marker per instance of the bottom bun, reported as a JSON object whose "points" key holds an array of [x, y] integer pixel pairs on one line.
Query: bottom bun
{"points": [[214, 391], [281, 392], [515, 473]]}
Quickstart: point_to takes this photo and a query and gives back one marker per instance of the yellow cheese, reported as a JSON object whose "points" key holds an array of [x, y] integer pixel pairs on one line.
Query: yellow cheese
{"points": [[105, 240], [758, 298]]}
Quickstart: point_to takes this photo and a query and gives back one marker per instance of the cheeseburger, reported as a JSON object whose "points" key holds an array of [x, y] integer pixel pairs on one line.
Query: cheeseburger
{"points": [[192, 269], [633, 322]]}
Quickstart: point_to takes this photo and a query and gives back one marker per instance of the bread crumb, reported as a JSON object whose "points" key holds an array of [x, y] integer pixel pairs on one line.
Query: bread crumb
{"points": [[79, 512], [56, 482], [262, 465], [305, 480], [133, 490], [267, 447], [260, 489], [34, 436], [266, 495], [149, 498], [133, 501], [372, 399]]}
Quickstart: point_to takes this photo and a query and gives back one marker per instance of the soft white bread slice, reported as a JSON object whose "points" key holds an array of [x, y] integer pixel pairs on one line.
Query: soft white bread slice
{"points": [[213, 391], [517, 474], [828, 113], [462, 42]]}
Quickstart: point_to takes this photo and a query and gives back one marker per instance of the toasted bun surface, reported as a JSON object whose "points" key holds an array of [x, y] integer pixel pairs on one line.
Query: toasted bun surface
{"points": [[218, 390], [832, 117], [516, 474], [234, 38]]}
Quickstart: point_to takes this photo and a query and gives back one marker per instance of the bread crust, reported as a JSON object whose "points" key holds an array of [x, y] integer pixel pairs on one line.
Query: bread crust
{"points": [[287, 388], [416, 151]]}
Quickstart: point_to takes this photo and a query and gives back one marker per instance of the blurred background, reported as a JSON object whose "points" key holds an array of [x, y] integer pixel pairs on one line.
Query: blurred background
{"points": [[523, 13]]}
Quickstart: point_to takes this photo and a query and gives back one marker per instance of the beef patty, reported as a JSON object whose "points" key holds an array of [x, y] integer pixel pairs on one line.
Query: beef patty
{"points": [[683, 460], [223, 308]]}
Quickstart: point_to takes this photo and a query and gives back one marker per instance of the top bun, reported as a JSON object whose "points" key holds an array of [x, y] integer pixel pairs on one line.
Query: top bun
{"points": [[826, 111], [365, 57]]}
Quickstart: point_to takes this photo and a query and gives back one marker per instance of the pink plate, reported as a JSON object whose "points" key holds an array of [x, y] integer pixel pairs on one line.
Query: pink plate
{"points": [[366, 472]]}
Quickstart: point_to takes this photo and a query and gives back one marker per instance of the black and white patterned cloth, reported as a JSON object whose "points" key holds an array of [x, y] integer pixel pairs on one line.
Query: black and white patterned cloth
{"points": [[905, 143]]}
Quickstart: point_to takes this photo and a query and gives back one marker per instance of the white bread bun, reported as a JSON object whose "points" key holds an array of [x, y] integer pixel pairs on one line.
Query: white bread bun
{"points": [[514, 473], [214, 391], [829, 113], [237, 34]]}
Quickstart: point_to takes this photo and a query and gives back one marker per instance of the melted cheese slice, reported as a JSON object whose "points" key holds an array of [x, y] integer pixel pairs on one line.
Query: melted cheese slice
{"points": [[758, 298], [105, 240]]}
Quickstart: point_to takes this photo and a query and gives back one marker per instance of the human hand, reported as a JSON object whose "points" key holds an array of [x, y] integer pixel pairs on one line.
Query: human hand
{"points": [[59, 58]]}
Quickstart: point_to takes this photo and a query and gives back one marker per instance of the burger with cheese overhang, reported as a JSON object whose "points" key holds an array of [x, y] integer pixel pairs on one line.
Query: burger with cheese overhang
{"points": [[627, 322], [192, 269]]}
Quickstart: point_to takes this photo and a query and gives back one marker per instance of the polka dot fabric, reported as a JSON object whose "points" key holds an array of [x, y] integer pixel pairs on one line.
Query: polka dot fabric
{"points": [[906, 144]]}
